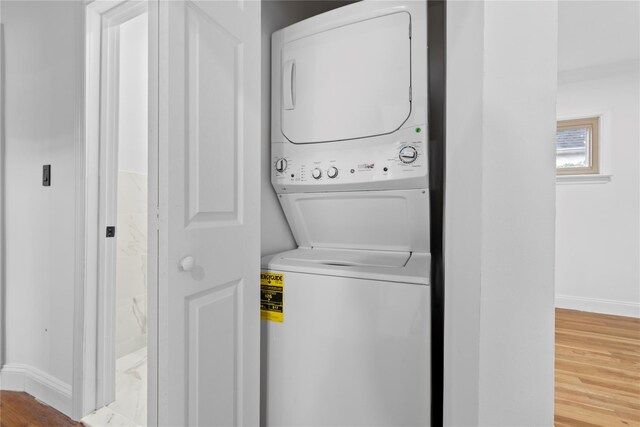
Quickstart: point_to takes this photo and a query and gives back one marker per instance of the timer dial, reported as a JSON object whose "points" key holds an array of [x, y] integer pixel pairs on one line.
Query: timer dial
{"points": [[281, 165], [316, 173], [408, 154], [332, 172]]}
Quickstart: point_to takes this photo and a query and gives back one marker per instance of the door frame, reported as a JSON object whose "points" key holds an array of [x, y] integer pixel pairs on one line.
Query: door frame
{"points": [[96, 178], [2, 207]]}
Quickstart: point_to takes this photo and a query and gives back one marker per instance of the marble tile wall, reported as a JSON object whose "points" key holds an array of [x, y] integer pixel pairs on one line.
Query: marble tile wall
{"points": [[131, 263]]}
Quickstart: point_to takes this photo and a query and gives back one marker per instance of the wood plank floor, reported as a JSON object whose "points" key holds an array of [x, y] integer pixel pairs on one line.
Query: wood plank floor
{"points": [[22, 410], [597, 370]]}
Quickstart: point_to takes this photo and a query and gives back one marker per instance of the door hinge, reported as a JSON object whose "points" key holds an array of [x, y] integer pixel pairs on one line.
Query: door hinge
{"points": [[409, 29], [111, 231], [410, 94], [157, 218]]}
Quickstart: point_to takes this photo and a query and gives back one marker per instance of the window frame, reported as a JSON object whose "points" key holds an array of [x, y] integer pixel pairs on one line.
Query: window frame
{"points": [[593, 123]]}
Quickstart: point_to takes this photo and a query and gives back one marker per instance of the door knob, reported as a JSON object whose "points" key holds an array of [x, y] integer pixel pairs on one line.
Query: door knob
{"points": [[187, 263]]}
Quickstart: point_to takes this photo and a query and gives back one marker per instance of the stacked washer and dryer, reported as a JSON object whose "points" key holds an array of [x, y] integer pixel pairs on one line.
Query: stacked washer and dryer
{"points": [[350, 345]]}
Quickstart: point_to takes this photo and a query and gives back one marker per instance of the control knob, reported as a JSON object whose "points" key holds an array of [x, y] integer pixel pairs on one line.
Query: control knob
{"points": [[408, 154], [332, 172], [281, 165], [316, 173]]}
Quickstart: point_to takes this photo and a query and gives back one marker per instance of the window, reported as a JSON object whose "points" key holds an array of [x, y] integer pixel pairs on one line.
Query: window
{"points": [[577, 146]]}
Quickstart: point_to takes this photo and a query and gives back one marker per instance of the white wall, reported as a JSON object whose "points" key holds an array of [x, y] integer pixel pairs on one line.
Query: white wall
{"points": [[463, 211], [499, 213], [132, 117], [596, 33], [42, 41], [276, 14], [598, 238]]}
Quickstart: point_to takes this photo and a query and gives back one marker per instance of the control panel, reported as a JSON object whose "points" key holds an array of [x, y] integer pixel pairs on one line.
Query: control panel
{"points": [[391, 161]]}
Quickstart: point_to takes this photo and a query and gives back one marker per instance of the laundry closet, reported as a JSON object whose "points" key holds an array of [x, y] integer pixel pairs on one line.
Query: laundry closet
{"points": [[345, 282], [294, 214]]}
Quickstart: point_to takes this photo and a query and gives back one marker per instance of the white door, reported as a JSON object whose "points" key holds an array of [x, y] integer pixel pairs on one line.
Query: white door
{"points": [[209, 207], [353, 81]]}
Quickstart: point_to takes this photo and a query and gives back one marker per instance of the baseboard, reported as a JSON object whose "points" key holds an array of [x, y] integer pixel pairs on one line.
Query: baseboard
{"points": [[603, 306], [42, 386]]}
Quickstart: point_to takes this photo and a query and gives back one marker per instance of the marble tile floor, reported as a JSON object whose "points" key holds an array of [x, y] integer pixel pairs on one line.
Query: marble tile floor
{"points": [[130, 407]]}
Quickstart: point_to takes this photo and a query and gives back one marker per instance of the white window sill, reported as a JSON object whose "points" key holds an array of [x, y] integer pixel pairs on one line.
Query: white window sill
{"points": [[583, 179]]}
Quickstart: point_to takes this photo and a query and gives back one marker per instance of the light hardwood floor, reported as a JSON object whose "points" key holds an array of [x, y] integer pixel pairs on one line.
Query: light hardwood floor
{"points": [[597, 370]]}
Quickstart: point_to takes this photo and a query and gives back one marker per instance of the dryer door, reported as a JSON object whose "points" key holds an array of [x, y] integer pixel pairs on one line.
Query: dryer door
{"points": [[349, 82]]}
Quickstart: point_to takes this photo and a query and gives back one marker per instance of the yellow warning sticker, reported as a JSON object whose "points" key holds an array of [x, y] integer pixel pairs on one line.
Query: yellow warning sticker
{"points": [[272, 296]]}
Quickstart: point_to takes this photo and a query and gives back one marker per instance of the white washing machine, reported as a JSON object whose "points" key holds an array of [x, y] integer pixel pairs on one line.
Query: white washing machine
{"points": [[346, 316], [353, 347]]}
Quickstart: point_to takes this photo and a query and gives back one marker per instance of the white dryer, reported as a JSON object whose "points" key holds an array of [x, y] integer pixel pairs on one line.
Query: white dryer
{"points": [[347, 314]]}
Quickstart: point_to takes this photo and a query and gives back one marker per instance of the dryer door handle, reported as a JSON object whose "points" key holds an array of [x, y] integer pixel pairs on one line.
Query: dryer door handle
{"points": [[289, 85]]}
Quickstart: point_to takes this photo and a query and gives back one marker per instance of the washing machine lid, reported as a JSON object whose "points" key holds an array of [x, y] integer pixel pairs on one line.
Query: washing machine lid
{"points": [[389, 220], [401, 267], [349, 258], [351, 81]]}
